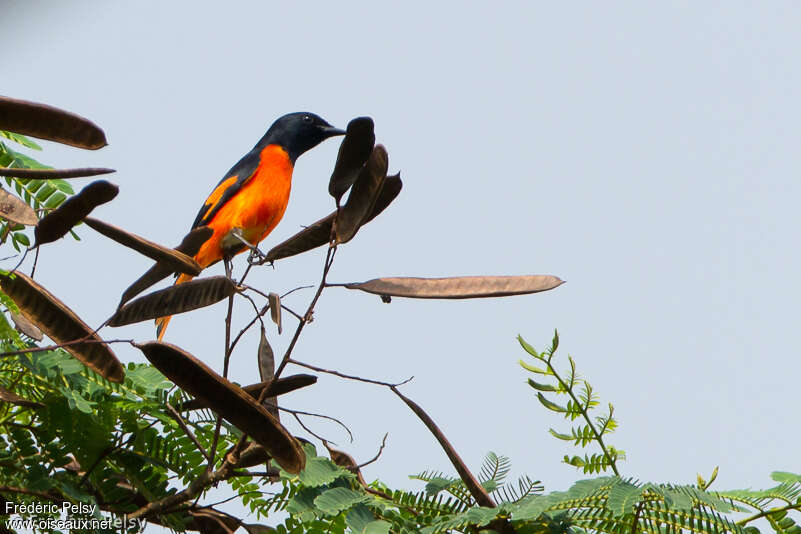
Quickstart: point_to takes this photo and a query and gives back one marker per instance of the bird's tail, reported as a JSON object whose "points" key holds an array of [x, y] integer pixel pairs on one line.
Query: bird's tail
{"points": [[162, 322]]}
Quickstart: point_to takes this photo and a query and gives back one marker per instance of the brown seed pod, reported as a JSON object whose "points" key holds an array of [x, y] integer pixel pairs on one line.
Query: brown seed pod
{"points": [[353, 153], [285, 384], [48, 122], [49, 174], [62, 325], [174, 260], [189, 246], [228, 400], [180, 298], [13, 398], [58, 222], [26, 327], [458, 287], [363, 196], [318, 234], [14, 209]]}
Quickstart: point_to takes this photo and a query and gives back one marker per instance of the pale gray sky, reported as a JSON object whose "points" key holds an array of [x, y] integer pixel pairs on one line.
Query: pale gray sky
{"points": [[646, 153]]}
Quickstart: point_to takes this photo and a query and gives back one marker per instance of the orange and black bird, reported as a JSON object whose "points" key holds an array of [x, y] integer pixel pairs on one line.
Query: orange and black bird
{"points": [[251, 198]]}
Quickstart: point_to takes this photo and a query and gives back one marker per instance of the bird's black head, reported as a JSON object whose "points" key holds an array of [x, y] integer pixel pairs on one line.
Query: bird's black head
{"points": [[299, 132]]}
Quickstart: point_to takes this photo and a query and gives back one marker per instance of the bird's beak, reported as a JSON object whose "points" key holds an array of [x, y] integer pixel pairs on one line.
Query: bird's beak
{"points": [[330, 131]]}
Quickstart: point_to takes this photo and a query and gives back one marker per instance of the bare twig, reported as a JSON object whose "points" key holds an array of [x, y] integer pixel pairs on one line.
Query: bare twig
{"points": [[350, 377], [297, 315], [296, 289], [307, 317], [380, 450], [321, 416]]}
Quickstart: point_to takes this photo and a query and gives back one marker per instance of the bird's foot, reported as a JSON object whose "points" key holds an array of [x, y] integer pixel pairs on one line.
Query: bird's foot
{"points": [[256, 256]]}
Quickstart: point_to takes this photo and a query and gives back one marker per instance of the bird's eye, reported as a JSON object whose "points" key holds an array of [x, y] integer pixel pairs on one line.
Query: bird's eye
{"points": [[307, 118]]}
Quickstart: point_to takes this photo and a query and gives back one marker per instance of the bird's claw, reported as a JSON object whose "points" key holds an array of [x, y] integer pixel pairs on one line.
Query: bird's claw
{"points": [[256, 256]]}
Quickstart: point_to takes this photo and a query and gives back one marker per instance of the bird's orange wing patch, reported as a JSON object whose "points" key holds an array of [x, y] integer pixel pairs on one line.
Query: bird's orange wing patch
{"points": [[215, 195]]}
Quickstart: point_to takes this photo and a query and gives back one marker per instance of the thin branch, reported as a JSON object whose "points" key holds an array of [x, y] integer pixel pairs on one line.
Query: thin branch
{"points": [[307, 317], [350, 377], [297, 315], [584, 412], [636, 521], [321, 416], [380, 450], [307, 429], [763, 513], [34, 493], [296, 289]]}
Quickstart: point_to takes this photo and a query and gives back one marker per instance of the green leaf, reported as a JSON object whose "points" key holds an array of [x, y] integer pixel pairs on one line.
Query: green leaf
{"points": [[336, 500], [533, 369], [55, 200], [377, 527], [623, 497], [359, 517], [558, 435], [785, 477], [528, 348], [550, 405], [542, 387], [21, 238], [320, 471], [20, 139]]}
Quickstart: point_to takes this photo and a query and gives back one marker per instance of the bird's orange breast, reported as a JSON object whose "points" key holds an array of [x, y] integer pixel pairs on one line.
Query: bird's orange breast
{"points": [[257, 207]]}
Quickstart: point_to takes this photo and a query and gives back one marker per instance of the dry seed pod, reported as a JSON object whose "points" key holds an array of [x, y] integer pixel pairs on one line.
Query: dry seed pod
{"points": [[13, 398], [363, 196], [48, 122], [15, 210], [50, 174], [26, 327], [175, 299], [458, 287], [285, 384], [189, 246], [318, 234], [275, 309], [58, 222], [176, 261], [62, 325], [353, 153], [228, 400]]}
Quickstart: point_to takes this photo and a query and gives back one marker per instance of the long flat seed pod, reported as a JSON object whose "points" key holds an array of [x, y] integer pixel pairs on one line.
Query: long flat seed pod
{"points": [[14, 209], [318, 234], [309, 238], [228, 400], [58, 222], [26, 327], [62, 325], [13, 398], [458, 287], [189, 246], [266, 358], [48, 122], [389, 192], [363, 196], [275, 310], [280, 387], [174, 260], [182, 298], [49, 174], [353, 153]]}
